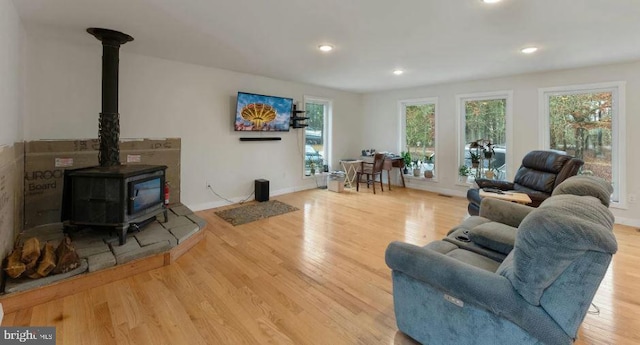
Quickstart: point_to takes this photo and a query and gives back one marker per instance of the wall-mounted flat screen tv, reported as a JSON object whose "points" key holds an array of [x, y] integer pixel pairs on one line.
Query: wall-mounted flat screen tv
{"points": [[262, 113]]}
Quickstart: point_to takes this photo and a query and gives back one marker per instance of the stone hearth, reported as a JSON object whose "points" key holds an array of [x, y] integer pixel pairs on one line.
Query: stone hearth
{"points": [[98, 249]]}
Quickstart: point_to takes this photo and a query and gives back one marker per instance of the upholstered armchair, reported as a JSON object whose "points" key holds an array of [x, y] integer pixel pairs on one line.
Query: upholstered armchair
{"points": [[523, 276], [539, 174]]}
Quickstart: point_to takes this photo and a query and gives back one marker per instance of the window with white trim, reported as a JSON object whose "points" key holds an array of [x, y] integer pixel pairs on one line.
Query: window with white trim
{"points": [[316, 134], [484, 133], [418, 132], [585, 121]]}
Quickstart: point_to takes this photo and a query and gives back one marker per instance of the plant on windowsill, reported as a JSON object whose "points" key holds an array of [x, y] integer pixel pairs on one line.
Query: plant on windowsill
{"points": [[429, 165], [416, 168], [406, 158], [463, 172], [312, 166]]}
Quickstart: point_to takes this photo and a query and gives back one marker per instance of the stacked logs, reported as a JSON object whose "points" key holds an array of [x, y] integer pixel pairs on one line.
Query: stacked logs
{"points": [[33, 261]]}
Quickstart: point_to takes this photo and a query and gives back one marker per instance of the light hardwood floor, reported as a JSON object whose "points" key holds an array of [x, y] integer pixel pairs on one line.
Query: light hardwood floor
{"points": [[313, 276]]}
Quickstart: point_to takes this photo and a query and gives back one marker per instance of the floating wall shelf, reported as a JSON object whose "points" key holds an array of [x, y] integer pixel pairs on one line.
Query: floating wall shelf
{"points": [[296, 121]]}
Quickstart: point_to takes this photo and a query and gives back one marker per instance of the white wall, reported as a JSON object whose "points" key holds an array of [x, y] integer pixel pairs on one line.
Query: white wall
{"points": [[381, 110], [12, 37], [161, 98], [11, 67]]}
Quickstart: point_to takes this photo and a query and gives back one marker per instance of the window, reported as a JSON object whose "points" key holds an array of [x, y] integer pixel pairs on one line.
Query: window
{"points": [[418, 132], [584, 121], [484, 120], [316, 134]]}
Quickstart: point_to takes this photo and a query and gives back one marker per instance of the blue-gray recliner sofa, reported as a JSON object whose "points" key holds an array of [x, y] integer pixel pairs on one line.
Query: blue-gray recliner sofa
{"points": [[512, 275]]}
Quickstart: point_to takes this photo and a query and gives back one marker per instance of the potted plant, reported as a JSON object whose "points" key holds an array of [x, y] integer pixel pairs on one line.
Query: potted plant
{"points": [[489, 174], [487, 150], [312, 166], [430, 158], [406, 157], [416, 168], [464, 170], [492, 173], [429, 165], [475, 159]]}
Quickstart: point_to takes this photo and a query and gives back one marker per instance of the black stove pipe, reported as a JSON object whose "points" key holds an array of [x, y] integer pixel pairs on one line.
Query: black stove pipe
{"points": [[109, 131]]}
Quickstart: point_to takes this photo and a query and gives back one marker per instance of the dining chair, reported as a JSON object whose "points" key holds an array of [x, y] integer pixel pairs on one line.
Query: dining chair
{"points": [[371, 171]]}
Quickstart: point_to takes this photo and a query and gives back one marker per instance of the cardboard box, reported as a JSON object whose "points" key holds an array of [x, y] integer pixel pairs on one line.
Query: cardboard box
{"points": [[46, 160]]}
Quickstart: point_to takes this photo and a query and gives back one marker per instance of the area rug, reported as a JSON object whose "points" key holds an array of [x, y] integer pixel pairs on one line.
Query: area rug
{"points": [[246, 214]]}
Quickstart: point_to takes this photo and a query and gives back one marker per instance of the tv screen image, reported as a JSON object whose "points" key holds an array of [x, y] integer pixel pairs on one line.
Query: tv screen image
{"points": [[262, 113], [145, 194]]}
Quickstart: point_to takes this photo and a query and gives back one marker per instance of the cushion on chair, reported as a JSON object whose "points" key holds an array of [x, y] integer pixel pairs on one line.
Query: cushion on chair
{"points": [[504, 212], [441, 246], [495, 236], [534, 180], [586, 185], [548, 161], [473, 259], [552, 237]]}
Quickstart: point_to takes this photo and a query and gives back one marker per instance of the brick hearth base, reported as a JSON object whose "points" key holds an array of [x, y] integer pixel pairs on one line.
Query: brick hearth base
{"points": [[155, 245]]}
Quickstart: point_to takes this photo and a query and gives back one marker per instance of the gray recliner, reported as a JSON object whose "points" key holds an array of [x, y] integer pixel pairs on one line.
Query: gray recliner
{"points": [[514, 275]]}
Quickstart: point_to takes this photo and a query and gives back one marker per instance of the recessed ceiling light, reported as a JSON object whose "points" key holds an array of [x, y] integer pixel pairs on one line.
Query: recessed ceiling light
{"points": [[490, 1], [325, 47], [529, 50], [398, 71]]}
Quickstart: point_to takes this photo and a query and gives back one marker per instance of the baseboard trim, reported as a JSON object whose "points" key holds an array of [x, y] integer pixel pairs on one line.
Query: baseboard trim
{"points": [[429, 187], [220, 203]]}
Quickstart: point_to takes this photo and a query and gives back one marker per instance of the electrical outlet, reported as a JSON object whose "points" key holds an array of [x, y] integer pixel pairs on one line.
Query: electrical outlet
{"points": [[632, 198]]}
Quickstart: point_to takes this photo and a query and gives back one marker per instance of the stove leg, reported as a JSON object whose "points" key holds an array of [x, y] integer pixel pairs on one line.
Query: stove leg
{"points": [[122, 234]]}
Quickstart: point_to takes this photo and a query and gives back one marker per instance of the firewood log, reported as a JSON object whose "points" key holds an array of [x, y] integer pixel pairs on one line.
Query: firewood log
{"points": [[33, 274], [47, 260], [68, 258], [30, 252], [14, 266]]}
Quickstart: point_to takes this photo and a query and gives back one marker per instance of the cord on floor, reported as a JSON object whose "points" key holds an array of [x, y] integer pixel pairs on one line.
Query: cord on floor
{"points": [[595, 311], [227, 200]]}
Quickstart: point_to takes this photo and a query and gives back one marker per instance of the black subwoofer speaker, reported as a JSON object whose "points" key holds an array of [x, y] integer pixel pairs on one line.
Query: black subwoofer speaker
{"points": [[262, 190]]}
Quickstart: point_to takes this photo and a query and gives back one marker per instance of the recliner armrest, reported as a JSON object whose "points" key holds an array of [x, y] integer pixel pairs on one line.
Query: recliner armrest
{"points": [[473, 286], [504, 212], [502, 185]]}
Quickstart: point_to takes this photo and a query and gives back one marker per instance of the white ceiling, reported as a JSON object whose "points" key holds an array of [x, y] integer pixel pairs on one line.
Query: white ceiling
{"points": [[434, 41]]}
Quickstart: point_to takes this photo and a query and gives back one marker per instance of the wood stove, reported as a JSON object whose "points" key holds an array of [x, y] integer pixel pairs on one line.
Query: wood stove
{"points": [[116, 197], [112, 195]]}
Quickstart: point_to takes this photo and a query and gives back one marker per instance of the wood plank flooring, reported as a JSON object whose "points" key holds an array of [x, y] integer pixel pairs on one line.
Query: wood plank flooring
{"points": [[313, 276]]}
